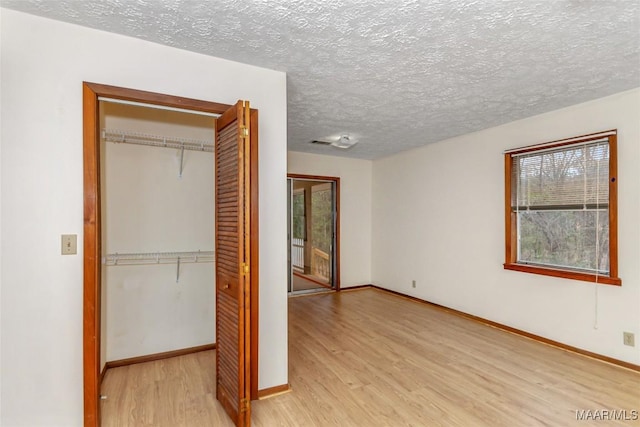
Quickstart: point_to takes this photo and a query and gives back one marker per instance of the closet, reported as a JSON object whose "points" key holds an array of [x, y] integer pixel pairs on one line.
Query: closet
{"points": [[157, 192]]}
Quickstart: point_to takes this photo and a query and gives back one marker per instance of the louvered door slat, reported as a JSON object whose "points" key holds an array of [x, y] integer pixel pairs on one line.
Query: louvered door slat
{"points": [[232, 254]]}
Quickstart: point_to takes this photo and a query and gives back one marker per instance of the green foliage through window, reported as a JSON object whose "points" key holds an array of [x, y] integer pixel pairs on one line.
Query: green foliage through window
{"points": [[561, 198], [298, 216], [322, 213]]}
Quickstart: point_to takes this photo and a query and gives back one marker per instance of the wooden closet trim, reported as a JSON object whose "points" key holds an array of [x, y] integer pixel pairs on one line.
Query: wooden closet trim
{"points": [[92, 231], [254, 251]]}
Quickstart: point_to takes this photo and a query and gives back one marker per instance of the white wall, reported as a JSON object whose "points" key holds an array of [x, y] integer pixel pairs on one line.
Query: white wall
{"points": [[438, 219], [1, 223], [355, 209], [148, 207], [43, 65]]}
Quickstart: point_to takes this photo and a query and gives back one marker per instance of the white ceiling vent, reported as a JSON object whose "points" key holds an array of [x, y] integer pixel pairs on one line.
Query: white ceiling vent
{"points": [[317, 142], [343, 142]]}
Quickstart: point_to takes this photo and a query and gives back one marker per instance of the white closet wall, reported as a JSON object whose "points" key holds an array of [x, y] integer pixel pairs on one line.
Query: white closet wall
{"points": [[149, 208]]}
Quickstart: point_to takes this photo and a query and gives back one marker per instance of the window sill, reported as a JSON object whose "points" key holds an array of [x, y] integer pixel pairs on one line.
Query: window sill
{"points": [[567, 274]]}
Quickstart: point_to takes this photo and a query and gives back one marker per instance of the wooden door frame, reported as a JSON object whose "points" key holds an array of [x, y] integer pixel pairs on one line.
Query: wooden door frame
{"points": [[336, 181], [92, 285]]}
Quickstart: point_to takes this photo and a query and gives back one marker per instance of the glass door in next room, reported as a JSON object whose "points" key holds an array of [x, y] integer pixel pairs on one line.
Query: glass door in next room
{"points": [[312, 236]]}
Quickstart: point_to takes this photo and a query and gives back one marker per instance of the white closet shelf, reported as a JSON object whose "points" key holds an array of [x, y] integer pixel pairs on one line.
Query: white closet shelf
{"points": [[127, 137], [143, 258]]}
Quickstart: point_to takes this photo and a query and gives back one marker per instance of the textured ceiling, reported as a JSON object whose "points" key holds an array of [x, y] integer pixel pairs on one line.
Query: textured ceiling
{"points": [[396, 74]]}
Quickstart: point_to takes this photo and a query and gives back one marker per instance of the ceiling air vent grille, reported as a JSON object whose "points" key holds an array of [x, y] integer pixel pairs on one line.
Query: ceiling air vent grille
{"points": [[315, 141]]}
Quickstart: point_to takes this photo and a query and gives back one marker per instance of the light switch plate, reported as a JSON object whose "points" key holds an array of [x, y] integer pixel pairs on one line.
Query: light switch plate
{"points": [[69, 244], [629, 339]]}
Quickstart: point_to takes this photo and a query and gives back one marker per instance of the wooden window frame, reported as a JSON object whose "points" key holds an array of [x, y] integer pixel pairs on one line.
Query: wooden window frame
{"points": [[511, 233]]}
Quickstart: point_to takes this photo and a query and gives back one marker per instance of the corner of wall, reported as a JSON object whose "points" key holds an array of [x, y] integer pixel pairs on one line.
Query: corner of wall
{"points": [[1, 322]]}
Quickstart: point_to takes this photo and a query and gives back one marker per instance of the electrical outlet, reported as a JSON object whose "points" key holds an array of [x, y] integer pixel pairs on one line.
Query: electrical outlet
{"points": [[69, 244], [413, 283], [629, 339]]}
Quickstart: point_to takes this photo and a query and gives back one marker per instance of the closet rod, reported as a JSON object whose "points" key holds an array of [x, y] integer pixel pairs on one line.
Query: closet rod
{"points": [[122, 136], [157, 106], [143, 258]]}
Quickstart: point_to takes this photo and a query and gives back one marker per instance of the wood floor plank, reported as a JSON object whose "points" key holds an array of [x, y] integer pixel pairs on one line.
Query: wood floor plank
{"points": [[370, 358]]}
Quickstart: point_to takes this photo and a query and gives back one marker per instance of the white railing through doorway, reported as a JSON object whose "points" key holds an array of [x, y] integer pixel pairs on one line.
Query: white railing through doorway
{"points": [[297, 253]]}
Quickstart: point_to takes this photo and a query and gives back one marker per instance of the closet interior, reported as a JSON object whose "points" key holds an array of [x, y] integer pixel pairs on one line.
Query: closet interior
{"points": [[157, 219]]}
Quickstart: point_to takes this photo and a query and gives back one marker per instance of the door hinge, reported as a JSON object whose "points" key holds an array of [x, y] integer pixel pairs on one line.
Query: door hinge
{"points": [[244, 131], [244, 405], [245, 268]]}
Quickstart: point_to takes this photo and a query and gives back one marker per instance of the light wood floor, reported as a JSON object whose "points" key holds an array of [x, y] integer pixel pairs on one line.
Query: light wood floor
{"points": [[370, 358], [300, 283]]}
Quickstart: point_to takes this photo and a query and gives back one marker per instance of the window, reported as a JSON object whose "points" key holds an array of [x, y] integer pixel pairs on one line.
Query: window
{"points": [[298, 216], [560, 209]]}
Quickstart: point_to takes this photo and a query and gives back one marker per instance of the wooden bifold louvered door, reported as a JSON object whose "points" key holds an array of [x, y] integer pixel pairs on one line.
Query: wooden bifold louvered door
{"points": [[232, 169]]}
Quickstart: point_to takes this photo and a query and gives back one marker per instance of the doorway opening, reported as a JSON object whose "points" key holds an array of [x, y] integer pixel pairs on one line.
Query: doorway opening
{"points": [[157, 193], [236, 184], [313, 236]]}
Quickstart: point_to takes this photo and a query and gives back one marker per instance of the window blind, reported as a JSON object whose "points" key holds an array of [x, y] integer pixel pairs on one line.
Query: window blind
{"points": [[570, 177]]}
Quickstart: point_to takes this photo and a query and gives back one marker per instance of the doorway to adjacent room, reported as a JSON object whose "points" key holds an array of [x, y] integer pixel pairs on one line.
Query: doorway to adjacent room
{"points": [[313, 236]]}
